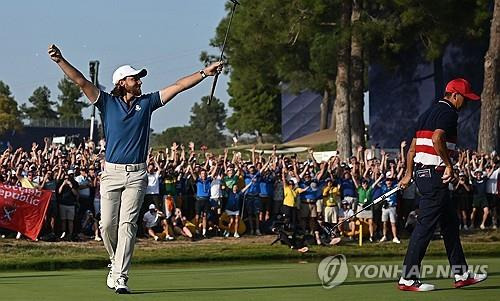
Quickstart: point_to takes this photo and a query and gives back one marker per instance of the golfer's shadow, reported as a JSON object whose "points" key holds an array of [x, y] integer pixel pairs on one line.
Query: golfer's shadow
{"points": [[211, 289]]}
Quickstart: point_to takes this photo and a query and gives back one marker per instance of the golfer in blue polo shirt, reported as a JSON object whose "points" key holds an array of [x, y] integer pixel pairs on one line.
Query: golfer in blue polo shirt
{"points": [[126, 117]]}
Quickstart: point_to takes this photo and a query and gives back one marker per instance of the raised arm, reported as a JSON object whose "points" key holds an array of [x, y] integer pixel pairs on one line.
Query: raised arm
{"points": [[88, 88], [166, 94]]}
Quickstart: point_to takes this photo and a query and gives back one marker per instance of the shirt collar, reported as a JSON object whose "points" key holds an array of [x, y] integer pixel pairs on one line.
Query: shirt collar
{"points": [[447, 102]]}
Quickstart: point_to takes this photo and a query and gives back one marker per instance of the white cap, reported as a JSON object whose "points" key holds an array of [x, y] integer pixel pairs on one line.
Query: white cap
{"points": [[127, 70], [71, 171], [152, 206]]}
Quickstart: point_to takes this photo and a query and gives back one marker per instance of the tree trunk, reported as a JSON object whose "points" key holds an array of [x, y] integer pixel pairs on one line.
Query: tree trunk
{"points": [[490, 97], [324, 110], [258, 135], [356, 100], [341, 107]]}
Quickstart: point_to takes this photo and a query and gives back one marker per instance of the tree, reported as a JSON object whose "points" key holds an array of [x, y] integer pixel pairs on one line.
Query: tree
{"points": [[490, 97], [205, 126], [356, 97], [342, 105], [207, 122], [41, 105], [70, 107], [9, 113]]}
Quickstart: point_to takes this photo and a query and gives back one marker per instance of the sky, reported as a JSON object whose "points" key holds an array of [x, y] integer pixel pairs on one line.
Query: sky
{"points": [[165, 37]]}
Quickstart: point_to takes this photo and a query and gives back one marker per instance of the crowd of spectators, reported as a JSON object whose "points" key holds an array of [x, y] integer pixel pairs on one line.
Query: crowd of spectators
{"points": [[197, 194]]}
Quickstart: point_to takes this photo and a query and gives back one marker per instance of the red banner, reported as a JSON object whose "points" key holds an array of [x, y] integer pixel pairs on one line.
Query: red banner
{"points": [[23, 209]]}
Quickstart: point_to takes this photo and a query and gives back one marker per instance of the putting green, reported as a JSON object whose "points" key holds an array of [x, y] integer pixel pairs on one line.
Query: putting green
{"points": [[234, 281]]}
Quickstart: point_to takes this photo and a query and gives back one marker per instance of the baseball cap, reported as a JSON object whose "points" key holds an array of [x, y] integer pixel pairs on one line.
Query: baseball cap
{"points": [[152, 206], [127, 70], [71, 171], [461, 86]]}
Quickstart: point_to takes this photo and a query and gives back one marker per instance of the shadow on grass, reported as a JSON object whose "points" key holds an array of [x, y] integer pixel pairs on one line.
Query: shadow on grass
{"points": [[356, 282]]}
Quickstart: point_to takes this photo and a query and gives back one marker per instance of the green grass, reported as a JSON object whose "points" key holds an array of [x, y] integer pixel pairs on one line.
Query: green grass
{"points": [[248, 281], [27, 255]]}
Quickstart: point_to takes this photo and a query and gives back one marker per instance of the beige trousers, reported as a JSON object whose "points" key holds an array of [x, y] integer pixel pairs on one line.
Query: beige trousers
{"points": [[122, 192]]}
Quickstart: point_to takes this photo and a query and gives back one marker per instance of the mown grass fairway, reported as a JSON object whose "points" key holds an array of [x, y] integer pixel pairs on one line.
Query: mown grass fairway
{"points": [[234, 281]]}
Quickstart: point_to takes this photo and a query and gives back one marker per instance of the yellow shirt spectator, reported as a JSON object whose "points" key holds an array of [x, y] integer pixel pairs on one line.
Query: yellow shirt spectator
{"points": [[331, 195], [290, 195]]}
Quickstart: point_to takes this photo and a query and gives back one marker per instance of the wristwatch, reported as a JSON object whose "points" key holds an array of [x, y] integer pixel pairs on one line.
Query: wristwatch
{"points": [[203, 74]]}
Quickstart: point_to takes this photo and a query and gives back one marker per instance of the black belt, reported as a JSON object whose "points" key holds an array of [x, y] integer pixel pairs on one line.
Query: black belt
{"points": [[434, 167]]}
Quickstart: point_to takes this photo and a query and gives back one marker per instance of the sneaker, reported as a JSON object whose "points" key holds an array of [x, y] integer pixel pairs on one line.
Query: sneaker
{"points": [[226, 233], [156, 238], [371, 238], [109, 281], [18, 236], [482, 227], [97, 238], [169, 238], [236, 235], [396, 240], [466, 228], [383, 239], [258, 233], [468, 278], [414, 285], [121, 286]]}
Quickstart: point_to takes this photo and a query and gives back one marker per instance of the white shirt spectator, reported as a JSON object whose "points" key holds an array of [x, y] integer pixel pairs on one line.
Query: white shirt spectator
{"points": [[153, 183], [215, 188], [151, 219], [81, 180], [491, 183]]}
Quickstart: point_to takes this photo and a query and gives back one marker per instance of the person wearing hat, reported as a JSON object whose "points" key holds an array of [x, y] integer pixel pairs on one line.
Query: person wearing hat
{"points": [[430, 157], [155, 222], [126, 117]]}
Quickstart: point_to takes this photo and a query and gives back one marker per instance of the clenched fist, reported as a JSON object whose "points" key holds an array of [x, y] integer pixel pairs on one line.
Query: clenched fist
{"points": [[55, 53]]}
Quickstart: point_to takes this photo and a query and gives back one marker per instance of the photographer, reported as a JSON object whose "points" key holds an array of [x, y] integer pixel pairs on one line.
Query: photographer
{"points": [[68, 199], [154, 222]]}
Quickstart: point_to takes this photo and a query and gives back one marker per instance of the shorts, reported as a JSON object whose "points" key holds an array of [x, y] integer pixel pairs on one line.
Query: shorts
{"points": [[479, 203], [252, 204], [368, 213], [389, 214], [67, 212], [232, 213], [266, 203], [214, 203], [351, 200], [493, 200], [201, 205], [308, 210], [319, 206], [331, 214], [463, 202], [52, 211]]}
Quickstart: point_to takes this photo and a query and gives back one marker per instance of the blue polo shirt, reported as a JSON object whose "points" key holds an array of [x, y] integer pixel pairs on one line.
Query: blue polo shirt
{"points": [[127, 128]]}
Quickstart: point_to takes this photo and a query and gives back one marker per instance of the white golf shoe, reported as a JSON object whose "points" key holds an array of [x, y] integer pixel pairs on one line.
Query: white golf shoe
{"points": [[121, 286], [468, 278], [414, 285], [109, 280]]}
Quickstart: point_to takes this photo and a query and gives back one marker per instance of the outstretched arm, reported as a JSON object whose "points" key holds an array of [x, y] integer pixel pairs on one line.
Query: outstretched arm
{"points": [[88, 88], [187, 82]]}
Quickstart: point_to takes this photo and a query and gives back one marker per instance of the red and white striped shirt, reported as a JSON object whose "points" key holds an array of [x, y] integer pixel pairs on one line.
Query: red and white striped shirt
{"points": [[441, 115]]}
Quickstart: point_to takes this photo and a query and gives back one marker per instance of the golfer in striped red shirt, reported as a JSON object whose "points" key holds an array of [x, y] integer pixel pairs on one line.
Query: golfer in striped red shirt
{"points": [[430, 156]]}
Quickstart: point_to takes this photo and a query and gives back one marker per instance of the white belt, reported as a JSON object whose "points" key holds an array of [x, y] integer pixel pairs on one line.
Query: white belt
{"points": [[125, 167]]}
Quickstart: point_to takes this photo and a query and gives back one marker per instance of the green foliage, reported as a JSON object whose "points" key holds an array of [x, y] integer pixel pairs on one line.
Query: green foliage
{"points": [[398, 26], [70, 107], [205, 126], [9, 113], [41, 105]]}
